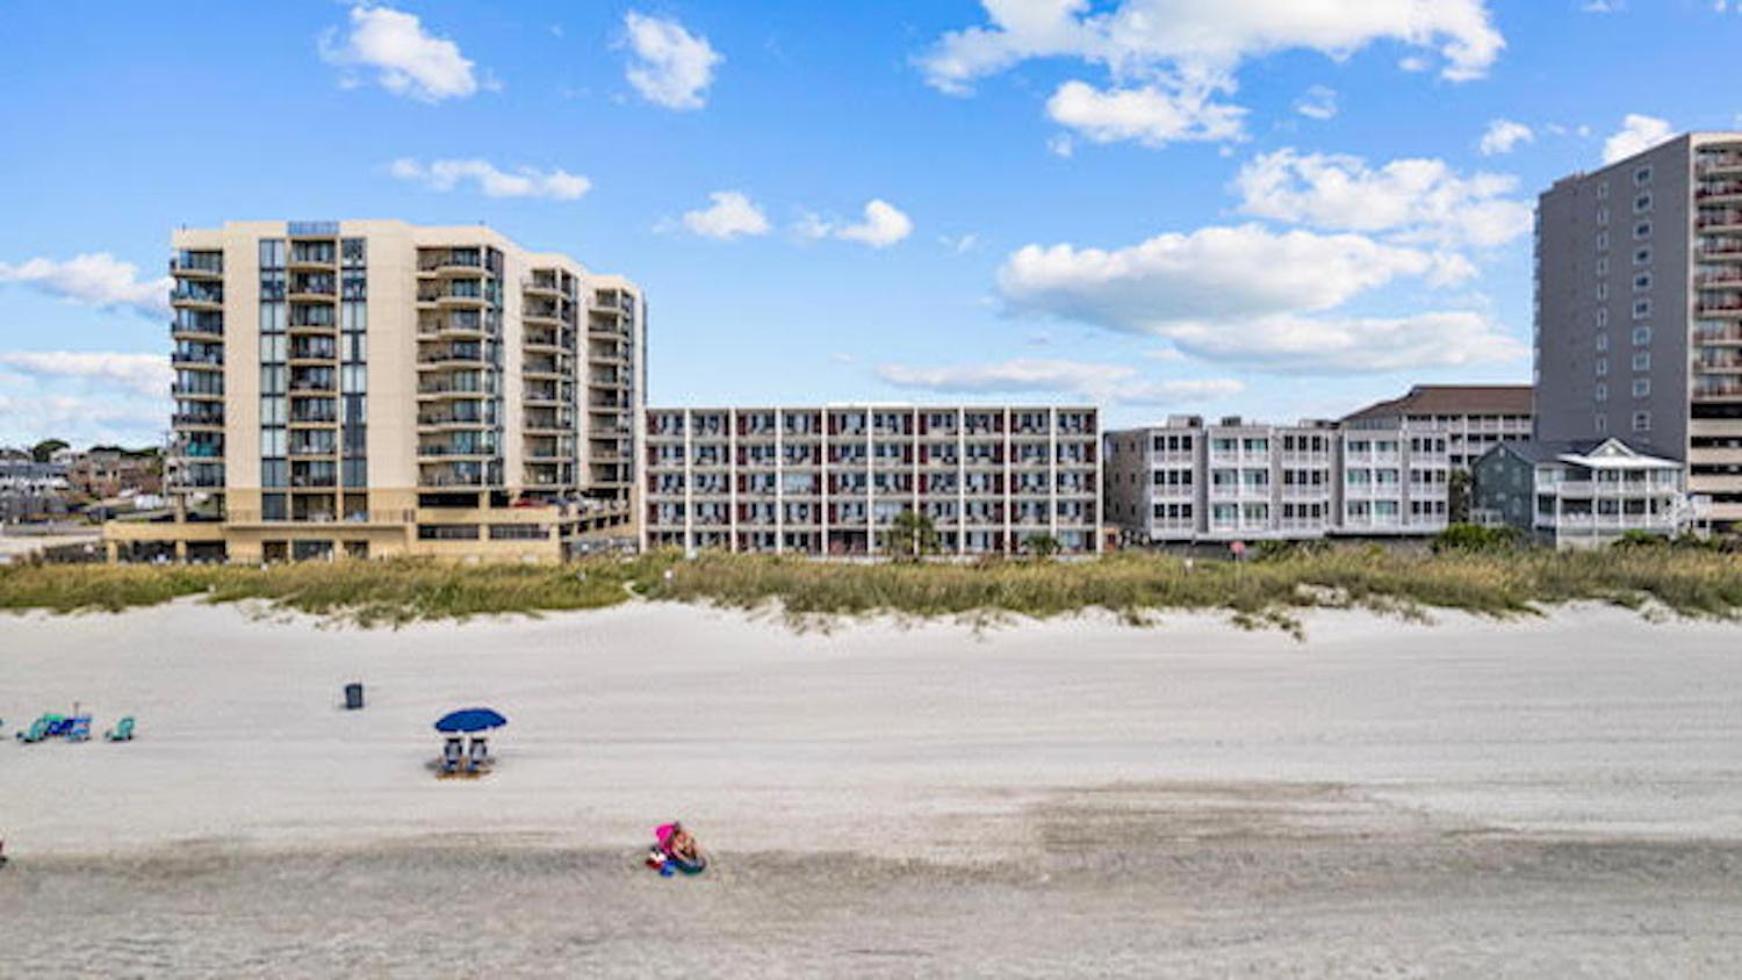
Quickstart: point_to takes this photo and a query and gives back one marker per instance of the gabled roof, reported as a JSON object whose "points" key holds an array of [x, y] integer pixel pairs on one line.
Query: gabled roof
{"points": [[1451, 400], [1591, 453]]}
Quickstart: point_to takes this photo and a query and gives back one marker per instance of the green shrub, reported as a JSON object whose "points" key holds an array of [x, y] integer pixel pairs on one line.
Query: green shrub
{"points": [[1477, 538]]}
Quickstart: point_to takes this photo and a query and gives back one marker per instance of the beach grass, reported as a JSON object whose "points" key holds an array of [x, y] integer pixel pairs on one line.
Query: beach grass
{"points": [[1510, 582]]}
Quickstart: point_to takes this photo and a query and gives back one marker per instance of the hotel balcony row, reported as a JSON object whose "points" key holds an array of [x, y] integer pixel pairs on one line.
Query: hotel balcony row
{"points": [[990, 456], [843, 515], [1066, 484], [845, 424]]}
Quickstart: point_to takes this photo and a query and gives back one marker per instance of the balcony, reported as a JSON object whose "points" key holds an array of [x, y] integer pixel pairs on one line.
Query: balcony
{"points": [[194, 293], [1718, 219], [197, 391], [197, 265], [197, 420], [1718, 163], [465, 260], [456, 451], [198, 360]]}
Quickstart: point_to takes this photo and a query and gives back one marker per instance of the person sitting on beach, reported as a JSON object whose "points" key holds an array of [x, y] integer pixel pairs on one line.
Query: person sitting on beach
{"points": [[679, 850]]}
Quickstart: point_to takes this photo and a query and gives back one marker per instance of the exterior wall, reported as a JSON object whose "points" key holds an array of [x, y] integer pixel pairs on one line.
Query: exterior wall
{"points": [[830, 481], [1468, 436], [1190, 482], [1593, 240], [408, 357], [1569, 505], [1693, 410]]}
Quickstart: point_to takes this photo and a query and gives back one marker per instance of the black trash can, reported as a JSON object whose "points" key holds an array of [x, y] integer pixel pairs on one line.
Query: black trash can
{"points": [[353, 697]]}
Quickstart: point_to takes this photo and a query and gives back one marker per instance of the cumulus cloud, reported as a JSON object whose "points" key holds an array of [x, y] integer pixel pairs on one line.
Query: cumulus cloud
{"points": [[669, 66], [1149, 114], [1414, 200], [1290, 344], [883, 225], [1253, 297], [732, 214], [445, 175], [1169, 58], [1636, 135], [146, 374], [1096, 382], [1318, 102], [97, 279], [1214, 272], [1503, 136], [406, 59]]}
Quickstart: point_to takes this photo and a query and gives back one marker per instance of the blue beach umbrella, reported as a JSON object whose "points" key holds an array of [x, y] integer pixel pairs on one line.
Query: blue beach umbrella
{"points": [[470, 720]]}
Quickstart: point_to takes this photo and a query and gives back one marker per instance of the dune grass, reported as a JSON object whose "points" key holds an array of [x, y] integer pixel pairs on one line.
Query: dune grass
{"points": [[1506, 583]]}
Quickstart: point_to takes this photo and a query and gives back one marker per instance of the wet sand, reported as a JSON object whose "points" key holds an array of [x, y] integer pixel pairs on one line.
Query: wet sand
{"points": [[1547, 797]]}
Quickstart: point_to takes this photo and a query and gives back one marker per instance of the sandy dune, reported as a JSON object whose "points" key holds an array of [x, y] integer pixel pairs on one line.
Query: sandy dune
{"points": [[1470, 798]]}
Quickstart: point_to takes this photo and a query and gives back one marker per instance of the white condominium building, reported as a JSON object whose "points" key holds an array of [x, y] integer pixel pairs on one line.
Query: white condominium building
{"points": [[1236, 480], [371, 388], [830, 481]]}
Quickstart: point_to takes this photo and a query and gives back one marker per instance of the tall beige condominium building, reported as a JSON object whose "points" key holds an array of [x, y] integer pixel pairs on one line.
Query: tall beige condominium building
{"points": [[833, 480], [1639, 310], [371, 388]]}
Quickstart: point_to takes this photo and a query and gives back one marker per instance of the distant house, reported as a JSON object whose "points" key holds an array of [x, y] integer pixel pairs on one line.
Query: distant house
{"points": [[1580, 494]]}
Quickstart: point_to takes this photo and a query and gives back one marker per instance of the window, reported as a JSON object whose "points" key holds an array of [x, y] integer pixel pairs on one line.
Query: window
{"points": [[1602, 217], [272, 348], [1602, 366], [1602, 318], [274, 473], [1641, 336], [1602, 424], [1642, 176], [1641, 308], [1641, 421], [1642, 282], [1602, 392], [1642, 230], [1602, 265], [272, 442], [1602, 291], [354, 250], [1641, 388], [1602, 241], [1642, 256], [1642, 203], [1602, 192], [1642, 361], [271, 253], [1602, 342]]}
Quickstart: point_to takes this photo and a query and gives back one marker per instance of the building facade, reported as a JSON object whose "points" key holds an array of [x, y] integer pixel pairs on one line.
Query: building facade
{"points": [[373, 388], [1236, 480], [830, 481], [1580, 494], [1474, 418], [1639, 310]]}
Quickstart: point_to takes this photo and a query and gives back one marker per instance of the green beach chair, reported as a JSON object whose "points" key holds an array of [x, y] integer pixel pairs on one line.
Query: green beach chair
{"points": [[122, 732], [37, 731]]}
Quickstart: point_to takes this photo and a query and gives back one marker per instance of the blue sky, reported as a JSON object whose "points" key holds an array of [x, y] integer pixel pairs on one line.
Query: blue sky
{"points": [[1160, 205]]}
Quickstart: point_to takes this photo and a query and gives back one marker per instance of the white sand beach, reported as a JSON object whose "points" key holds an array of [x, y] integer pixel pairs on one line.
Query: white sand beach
{"points": [[1549, 796]]}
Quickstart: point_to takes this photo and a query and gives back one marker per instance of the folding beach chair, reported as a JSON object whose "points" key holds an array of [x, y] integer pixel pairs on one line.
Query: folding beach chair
{"points": [[122, 732]]}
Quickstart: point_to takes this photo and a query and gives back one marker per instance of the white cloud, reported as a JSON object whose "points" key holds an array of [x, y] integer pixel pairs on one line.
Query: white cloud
{"points": [[1061, 145], [147, 374], [1215, 272], [1195, 36], [1503, 136], [883, 225], [408, 60], [671, 67], [1096, 382], [960, 244], [97, 279], [1637, 134], [1288, 344], [1604, 6], [732, 214], [1416, 201], [1318, 102], [445, 175], [1150, 114]]}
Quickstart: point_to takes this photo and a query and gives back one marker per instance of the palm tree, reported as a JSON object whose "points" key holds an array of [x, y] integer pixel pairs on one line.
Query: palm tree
{"points": [[911, 536]]}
